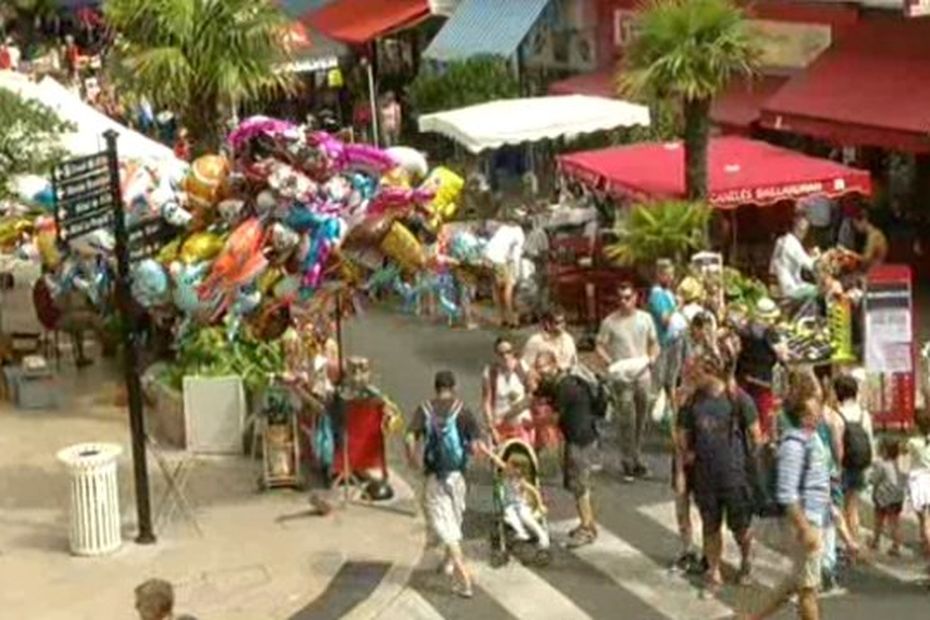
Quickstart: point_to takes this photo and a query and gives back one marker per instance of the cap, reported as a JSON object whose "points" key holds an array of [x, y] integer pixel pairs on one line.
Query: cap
{"points": [[766, 309]]}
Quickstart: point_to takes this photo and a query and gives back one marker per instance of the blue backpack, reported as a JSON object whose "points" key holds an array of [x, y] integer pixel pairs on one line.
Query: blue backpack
{"points": [[446, 450]]}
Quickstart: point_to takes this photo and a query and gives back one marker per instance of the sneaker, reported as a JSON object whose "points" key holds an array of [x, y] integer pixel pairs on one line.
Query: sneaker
{"points": [[685, 562], [628, 473], [744, 576], [462, 590], [581, 537], [446, 568], [700, 567]]}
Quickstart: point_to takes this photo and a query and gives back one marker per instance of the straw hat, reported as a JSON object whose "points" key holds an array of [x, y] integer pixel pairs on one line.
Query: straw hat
{"points": [[766, 309], [690, 289]]}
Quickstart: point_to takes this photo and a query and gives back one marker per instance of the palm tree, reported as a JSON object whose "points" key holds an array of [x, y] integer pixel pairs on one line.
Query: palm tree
{"points": [[689, 50], [199, 57]]}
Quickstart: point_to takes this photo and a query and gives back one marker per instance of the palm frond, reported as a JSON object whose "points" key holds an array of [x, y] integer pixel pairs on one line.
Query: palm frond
{"points": [[668, 229]]}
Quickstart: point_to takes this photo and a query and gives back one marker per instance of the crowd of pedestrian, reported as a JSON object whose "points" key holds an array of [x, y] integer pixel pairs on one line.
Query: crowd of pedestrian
{"points": [[754, 439]]}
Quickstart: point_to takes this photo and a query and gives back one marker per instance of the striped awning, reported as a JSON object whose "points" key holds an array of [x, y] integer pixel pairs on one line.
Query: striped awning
{"points": [[481, 27]]}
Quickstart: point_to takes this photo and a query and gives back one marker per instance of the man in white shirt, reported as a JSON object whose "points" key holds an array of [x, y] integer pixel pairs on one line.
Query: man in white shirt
{"points": [[790, 259], [553, 338], [629, 334], [505, 252]]}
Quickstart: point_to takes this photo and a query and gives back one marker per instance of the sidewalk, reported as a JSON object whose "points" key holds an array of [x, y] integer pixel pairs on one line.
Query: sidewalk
{"points": [[262, 555]]}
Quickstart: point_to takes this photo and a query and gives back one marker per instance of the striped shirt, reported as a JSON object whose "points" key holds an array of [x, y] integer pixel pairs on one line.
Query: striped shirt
{"points": [[810, 489]]}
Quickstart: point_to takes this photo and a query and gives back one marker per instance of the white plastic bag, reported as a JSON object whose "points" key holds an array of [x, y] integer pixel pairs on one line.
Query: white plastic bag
{"points": [[661, 408]]}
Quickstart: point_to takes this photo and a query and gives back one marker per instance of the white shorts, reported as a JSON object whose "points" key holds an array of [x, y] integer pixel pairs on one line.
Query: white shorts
{"points": [[918, 487], [445, 506]]}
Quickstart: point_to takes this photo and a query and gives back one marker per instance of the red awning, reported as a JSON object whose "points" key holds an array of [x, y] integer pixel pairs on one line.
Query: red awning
{"points": [[740, 105], [361, 21], [741, 172], [872, 87]]}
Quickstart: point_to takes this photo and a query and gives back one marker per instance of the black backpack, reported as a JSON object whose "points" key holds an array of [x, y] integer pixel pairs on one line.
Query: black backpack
{"points": [[857, 447], [765, 480], [597, 390]]}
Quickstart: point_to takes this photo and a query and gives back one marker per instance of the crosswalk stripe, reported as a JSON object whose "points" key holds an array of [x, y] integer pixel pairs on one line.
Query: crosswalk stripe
{"points": [[523, 593], [641, 576], [907, 568], [768, 567], [411, 606]]}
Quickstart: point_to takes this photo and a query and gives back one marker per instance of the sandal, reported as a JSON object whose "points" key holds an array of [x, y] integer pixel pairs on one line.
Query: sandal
{"points": [[582, 536], [711, 588]]}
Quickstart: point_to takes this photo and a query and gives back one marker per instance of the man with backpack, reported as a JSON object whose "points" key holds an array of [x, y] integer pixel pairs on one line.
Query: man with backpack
{"points": [[442, 435], [802, 491], [578, 403], [715, 425]]}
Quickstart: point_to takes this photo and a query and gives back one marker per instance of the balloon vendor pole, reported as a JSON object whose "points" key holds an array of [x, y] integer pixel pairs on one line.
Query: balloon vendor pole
{"points": [[372, 96], [340, 356], [146, 534]]}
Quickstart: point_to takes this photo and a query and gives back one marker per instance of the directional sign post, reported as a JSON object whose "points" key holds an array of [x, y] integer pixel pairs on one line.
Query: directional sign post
{"points": [[88, 198]]}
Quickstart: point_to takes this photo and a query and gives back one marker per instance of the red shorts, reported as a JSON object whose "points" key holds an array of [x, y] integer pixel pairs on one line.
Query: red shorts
{"points": [[545, 422], [766, 405]]}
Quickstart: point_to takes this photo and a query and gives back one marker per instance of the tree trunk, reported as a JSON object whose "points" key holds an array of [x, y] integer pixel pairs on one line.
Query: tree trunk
{"points": [[697, 137], [202, 121]]}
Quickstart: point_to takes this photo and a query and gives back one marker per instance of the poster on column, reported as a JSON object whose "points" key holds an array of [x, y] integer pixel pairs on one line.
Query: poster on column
{"points": [[888, 314]]}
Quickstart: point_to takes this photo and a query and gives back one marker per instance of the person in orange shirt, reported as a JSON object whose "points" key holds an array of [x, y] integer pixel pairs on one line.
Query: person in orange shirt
{"points": [[875, 250]]}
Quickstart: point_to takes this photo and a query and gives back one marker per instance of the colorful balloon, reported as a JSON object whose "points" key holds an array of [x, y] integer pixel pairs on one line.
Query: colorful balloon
{"points": [[403, 247], [149, 283], [201, 246], [206, 180]]}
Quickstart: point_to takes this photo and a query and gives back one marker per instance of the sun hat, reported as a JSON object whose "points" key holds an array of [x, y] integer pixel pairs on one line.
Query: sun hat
{"points": [[766, 309], [690, 289]]}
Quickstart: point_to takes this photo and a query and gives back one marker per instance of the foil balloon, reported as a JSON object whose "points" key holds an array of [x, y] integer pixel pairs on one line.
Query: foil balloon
{"points": [[368, 157], [206, 179], [370, 232], [231, 210], [286, 287], [283, 239], [247, 302], [239, 263], [169, 253], [268, 279], [412, 161], [187, 279], [446, 186], [396, 198], [396, 177], [265, 203], [176, 215], [290, 183], [13, 228], [365, 185], [302, 219], [201, 246], [47, 245], [149, 283], [403, 248], [256, 127]]}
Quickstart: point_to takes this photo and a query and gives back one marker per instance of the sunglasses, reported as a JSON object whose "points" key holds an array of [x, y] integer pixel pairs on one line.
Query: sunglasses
{"points": [[627, 297], [505, 352]]}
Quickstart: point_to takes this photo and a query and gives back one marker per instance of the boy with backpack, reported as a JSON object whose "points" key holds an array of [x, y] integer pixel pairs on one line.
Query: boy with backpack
{"points": [[442, 435], [857, 443]]}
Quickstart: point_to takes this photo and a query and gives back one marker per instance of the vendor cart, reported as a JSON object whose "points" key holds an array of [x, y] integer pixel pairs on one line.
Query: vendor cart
{"points": [[278, 429]]}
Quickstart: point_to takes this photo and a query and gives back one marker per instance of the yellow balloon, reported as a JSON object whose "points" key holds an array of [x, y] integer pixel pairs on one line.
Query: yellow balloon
{"points": [[206, 180], [447, 186], [48, 248], [11, 228], [169, 253], [396, 177], [403, 248], [268, 279], [201, 246]]}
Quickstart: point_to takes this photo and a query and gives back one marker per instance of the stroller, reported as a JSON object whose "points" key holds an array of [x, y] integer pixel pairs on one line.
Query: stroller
{"points": [[504, 542]]}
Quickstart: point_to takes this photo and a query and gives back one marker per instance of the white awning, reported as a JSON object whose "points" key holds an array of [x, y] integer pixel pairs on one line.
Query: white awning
{"points": [[515, 121], [90, 124]]}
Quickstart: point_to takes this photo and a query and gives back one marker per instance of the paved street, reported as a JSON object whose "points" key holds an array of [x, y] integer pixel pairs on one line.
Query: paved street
{"points": [[624, 573]]}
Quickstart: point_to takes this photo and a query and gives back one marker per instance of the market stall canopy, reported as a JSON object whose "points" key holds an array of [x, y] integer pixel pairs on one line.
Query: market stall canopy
{"points": [[485, 27], [360, 21], [870, 88], [737, 108], [514, 121], [741, 172], [308, 50], [87, 139]]}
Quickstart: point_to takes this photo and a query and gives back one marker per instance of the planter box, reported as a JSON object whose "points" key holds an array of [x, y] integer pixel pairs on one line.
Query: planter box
{"points": [[214, 410]]}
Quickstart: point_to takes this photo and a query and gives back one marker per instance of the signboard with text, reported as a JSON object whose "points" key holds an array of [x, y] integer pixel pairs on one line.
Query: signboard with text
{"points": [[888, 315], [916, 8], [83, 196]]}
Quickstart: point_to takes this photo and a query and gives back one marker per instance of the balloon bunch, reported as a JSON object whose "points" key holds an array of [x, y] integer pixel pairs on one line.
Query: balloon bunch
{"points": [[287, 213]]}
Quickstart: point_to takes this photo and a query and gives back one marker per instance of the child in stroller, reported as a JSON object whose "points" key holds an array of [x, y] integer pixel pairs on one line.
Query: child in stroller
{"points": [[519, 511]]}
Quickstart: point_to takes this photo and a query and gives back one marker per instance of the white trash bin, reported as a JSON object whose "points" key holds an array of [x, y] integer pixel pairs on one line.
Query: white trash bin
{"points": [[95, 516]]}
